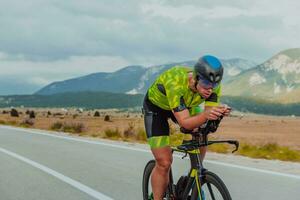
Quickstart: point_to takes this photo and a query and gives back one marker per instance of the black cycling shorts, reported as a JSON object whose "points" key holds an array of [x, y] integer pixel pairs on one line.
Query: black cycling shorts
{"points": [[156, 119]]}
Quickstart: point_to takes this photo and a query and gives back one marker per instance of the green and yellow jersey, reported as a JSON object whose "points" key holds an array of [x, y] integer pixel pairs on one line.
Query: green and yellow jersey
{"points": [[171, 91]]}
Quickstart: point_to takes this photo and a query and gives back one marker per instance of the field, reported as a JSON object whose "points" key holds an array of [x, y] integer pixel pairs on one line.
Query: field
{"points": [[280, 134]]}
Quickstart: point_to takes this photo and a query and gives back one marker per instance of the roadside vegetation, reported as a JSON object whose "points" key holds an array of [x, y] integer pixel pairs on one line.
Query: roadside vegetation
{"points": [[129, 129]]}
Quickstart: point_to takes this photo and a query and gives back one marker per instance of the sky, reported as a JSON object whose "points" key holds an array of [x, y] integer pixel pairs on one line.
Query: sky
{"points": [[42, 41]]}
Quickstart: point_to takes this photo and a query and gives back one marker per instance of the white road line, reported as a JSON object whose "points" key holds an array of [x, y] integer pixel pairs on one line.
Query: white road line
{"points": [[76, 139], [76, 184], [254, 169], [148, 151]]}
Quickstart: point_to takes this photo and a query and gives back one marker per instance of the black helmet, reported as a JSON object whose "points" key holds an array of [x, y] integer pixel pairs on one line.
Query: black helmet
{"points": [[209, 68]]}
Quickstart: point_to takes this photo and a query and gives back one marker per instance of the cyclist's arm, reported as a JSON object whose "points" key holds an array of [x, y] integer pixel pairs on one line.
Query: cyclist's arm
{"points": [[190, 122], [212, 111]]}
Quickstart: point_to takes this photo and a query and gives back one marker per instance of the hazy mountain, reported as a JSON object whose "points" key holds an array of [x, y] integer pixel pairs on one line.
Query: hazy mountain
{"points": [[234, 67], [119, 81], [277, 79], [97, 100], [132, 79], [13, 85], [88, 100]]}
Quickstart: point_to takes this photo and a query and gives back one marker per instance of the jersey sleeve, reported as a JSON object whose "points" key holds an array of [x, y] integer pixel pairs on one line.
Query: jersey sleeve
{"points": [[175, 92], [214, 99], [195, 110], [175, 98]]}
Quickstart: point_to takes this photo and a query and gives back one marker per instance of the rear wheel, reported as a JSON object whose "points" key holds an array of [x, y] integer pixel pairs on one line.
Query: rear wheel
{"points": [[147, 189], [213, 188]]}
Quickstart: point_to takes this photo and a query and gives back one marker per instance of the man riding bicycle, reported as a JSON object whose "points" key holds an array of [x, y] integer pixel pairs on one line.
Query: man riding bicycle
{"points": [[177, 94]]}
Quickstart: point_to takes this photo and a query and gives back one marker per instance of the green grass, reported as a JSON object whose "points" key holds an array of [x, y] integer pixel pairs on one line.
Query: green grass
{"points": [[141, 135], [56, 126], [270, 151], [73, 128], [112, 133], [68, 127], [220, 148]]}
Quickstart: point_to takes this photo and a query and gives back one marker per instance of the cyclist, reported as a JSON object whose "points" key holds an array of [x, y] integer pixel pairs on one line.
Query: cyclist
{"points": [[177, 94]]}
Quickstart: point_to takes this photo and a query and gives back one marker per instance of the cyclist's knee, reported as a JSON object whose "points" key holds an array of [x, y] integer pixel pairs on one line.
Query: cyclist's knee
{"points": [[164, 163], [163, 158]]}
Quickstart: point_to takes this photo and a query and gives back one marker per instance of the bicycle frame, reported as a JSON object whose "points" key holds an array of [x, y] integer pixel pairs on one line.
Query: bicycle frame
{"points": [[194, 173], [197, 172]]}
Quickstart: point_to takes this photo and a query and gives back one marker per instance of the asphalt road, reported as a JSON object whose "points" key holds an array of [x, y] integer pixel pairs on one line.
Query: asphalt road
{"points": [[37, 165]]}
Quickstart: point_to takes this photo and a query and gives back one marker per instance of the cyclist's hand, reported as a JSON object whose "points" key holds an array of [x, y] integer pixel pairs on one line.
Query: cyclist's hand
{"points": [[213, 113], [226, 109]]}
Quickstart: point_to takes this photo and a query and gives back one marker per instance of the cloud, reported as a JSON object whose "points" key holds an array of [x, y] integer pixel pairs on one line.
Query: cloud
{"points": [[50, 40], [40, 73]]}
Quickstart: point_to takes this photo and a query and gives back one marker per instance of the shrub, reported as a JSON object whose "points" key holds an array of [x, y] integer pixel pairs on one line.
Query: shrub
{"points": [[73, 127], [14, 113], [5, 112], [48, 113], [97, 114], [129, 132], [110, 133], [56, 126], [27, 112], [96, 134], [27, 123], [220, 148], [12, 123], [141, 135], [31, 114], [107, 118], [68, 127], [269, 151], [75, 116]]}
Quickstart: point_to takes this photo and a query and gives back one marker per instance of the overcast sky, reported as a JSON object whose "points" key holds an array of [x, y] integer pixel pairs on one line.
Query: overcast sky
{"points": [[49, 40]]}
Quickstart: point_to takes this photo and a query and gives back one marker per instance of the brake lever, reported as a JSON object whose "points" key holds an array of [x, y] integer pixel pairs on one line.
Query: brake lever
{"points": [[236, 143], [185, 155]]}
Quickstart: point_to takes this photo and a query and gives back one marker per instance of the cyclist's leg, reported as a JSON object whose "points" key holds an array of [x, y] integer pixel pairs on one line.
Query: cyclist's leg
{"points": [[157, 130], [160, 173], [202, 152]]}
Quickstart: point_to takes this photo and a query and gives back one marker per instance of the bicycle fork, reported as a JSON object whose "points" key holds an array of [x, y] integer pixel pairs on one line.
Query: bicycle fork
{"points": [[197, 177]]}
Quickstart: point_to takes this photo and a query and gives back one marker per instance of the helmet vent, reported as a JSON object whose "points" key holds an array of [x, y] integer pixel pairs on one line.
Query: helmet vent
{"points": [[211, 77]]}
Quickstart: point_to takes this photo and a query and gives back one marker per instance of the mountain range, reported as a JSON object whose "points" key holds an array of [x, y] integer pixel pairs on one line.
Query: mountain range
{"points": [[276, 80], [132, 79]]}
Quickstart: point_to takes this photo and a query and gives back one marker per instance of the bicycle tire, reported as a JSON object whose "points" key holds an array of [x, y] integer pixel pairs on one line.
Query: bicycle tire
{"points": [[146, 180], [213, 180]]}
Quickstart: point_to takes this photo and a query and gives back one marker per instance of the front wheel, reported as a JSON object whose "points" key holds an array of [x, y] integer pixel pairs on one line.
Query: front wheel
{"points": [[147, 189], [213, 188]]}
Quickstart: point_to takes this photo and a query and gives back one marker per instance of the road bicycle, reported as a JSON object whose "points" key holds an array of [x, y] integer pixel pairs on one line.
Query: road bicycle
{"points": [[200, 183]]}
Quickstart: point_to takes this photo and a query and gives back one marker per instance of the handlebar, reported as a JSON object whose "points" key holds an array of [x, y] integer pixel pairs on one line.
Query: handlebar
{"points": [[210, 126], [192, 145]]}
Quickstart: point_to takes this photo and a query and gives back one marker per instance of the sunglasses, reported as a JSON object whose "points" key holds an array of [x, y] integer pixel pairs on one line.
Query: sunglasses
{"points": [[203, 82]]}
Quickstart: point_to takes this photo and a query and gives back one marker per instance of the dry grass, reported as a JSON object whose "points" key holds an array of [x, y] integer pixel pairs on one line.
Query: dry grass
{"points": [[112, 133], [260, 136], [69, 127]]}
